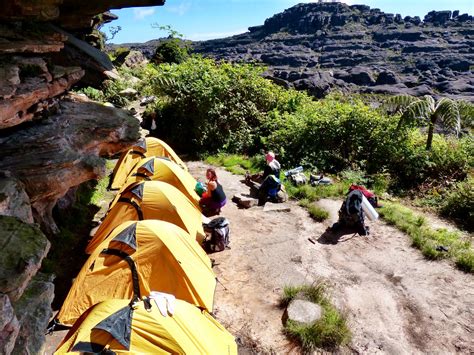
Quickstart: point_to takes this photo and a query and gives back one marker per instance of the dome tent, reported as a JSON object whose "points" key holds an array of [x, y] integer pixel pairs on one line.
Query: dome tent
{"points": [[140, 328], [138, 257], [150, 200], [145, 148]]}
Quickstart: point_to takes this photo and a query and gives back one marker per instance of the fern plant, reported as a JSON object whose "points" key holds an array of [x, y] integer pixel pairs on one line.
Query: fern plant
{"points": [[426, 110]]}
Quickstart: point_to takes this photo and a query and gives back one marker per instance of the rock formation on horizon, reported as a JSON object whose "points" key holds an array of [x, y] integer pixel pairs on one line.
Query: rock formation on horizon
{"points": [[320, 47]]}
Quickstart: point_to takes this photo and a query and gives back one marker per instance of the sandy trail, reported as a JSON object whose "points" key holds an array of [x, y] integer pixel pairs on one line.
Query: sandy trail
{"points": [[397, 301]]}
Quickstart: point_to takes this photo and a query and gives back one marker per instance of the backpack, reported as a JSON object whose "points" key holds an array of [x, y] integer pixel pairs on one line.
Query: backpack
{"points": [[220, 235], [351, 213], [368, 194], [297, 178]]}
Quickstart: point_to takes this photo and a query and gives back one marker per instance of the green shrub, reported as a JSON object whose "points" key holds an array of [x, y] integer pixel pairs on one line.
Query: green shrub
{"points": [[92, 93], [448, 159], [171, 51], [333, 136], [210, 107], [459, 203]]}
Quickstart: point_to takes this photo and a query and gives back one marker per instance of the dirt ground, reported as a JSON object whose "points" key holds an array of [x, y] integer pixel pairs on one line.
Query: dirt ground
{"points": [[397, 301]]}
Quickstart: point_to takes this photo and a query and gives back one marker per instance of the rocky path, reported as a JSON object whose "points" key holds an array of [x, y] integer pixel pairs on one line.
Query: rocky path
{"points": [[397, 301]]}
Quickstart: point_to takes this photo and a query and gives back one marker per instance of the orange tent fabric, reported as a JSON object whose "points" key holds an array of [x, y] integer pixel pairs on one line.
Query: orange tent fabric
{"points": [[151, 200], [145, 148], [140, 328], [163, 169], [136, 258]]}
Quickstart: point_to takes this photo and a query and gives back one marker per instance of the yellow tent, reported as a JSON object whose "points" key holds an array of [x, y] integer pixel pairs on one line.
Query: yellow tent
{"points": [[136, 258], [163, 169], [141, 328], [151, 200], [145, 148]]}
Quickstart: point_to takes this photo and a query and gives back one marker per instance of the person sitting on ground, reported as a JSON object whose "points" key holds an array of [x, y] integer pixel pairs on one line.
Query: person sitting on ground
{"points": [[270, 179], [214, 198]]}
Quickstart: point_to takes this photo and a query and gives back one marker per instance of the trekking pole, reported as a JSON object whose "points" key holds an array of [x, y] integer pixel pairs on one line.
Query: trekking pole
{"points": [[225, 288]]}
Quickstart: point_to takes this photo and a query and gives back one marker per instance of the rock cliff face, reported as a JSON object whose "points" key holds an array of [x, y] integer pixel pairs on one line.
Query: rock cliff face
{"points": [[319, 47], [50, 142]]}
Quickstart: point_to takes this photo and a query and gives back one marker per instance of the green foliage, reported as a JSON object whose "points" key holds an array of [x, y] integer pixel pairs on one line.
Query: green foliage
{"points": [[92, 93], [317, 213], [425, 110], [171, 51], [428, 240], [449, 159], [333, 136], [329, 332], [459, 203], [237, 164], [211, 106]]}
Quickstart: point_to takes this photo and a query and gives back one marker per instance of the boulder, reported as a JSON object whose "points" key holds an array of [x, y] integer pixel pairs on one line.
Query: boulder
{"points": [[33, 311], [361, 76], [303, 312], [14, 201], [130, 59], [387, 78], [9, 325], [64, 151], [129, 92], [244, 201], [23, 249]]}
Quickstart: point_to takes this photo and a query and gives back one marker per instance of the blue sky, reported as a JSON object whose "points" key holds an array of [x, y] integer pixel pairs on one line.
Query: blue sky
{"points": [[207, 19]]}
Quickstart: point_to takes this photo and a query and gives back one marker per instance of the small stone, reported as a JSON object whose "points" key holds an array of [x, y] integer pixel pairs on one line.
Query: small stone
{"points": [[244, 202], [297, 259], [303, 312], [128, 92]]}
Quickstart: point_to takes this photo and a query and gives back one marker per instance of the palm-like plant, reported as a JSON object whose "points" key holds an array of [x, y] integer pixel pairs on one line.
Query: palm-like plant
{"points": [[426, 110]]}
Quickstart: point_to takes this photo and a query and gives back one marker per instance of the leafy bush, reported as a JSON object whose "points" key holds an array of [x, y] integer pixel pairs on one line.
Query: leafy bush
{"points": [[92, 93], [171, 51], [211, 106], [459, 203], [334, 136], [449, 159]]}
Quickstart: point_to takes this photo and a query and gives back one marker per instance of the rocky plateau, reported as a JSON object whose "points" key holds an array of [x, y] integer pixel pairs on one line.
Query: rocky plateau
{"points": [[320, 47]]}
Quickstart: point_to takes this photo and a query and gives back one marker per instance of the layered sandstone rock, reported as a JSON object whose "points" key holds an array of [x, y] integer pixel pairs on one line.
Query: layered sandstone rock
{"points": [[65, 151], [321, 47]]}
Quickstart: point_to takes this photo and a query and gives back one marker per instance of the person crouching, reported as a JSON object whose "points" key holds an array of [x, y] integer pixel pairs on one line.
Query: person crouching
{"points": [[214, 198]]}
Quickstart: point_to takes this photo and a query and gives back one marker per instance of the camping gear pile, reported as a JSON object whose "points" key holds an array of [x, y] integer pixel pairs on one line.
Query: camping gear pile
{"points": [[354, 209], [148, 285], [297, 177]]}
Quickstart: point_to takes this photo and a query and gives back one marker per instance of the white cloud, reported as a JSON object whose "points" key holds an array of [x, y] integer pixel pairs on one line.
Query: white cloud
{"points": [[141, 13], [202, 36], [180, 9]]}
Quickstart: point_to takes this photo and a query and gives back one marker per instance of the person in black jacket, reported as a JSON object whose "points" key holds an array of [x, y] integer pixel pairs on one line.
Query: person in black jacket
{"points": [[270, 178]]}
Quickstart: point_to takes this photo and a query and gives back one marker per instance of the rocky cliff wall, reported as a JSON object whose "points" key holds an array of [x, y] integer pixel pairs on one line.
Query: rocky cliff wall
{"points": [[50, 142], [321, 47]]}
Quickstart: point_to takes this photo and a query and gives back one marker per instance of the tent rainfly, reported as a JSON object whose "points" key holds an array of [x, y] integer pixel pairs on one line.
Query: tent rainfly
{"points": [[138, 257], [163, 169], [116, 326], [145, 148], [151, 200]]}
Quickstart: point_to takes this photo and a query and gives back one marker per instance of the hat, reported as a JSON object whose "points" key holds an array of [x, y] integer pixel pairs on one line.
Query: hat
{"points": [[270, 156]]}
